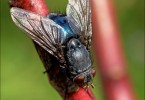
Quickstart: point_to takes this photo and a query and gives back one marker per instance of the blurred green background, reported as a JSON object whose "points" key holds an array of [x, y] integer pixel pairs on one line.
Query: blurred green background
{"points": [[21, 68]]}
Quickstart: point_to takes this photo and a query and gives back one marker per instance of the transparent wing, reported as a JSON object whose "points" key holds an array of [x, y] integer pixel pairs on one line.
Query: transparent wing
{"points": [[43, 31], [79, 18]]}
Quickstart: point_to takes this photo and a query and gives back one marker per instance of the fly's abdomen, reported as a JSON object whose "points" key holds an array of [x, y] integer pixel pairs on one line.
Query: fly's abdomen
{"points": [[63, 22]]}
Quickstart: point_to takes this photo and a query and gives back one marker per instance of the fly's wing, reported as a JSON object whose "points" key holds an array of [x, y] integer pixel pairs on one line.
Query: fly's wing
{"points": [[79, 18], [42, 30]]}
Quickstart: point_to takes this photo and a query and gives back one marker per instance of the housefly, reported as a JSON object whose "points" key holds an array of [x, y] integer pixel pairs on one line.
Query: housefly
{"points": [[66, 37]]}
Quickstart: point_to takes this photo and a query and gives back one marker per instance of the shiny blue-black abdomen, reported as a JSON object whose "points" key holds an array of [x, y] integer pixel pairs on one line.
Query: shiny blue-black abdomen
{"points": [[63, 22]]}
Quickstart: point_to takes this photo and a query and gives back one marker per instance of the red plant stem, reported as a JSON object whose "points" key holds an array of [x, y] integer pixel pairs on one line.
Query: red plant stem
{"points": [[109, 52], [81, 94], [39, 7]]}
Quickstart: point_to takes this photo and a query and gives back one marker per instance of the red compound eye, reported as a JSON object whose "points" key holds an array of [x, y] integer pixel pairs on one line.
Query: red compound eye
{"points": [[79, 79], [93, 72]]}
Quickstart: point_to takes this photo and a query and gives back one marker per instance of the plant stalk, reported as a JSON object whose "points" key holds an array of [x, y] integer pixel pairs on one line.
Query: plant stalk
{"points": [[109, 52]]}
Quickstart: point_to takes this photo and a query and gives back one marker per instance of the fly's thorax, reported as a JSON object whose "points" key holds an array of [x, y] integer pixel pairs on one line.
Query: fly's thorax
{"points": [[78, 57], [79, 63]]}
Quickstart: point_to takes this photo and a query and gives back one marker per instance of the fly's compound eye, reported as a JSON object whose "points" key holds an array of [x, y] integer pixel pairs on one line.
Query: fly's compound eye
{"points": [[93, 72], [79, 79]]}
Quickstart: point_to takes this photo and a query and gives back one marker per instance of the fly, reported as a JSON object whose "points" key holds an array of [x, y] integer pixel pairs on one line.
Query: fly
{"points": [[66, 37]]}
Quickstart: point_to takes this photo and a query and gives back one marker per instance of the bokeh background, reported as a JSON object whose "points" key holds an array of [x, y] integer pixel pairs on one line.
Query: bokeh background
{"points": [[22, 75]]}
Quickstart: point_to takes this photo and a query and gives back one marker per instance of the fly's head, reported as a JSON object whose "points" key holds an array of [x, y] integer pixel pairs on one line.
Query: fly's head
{"points": [[79, 69], [85, 79]]}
